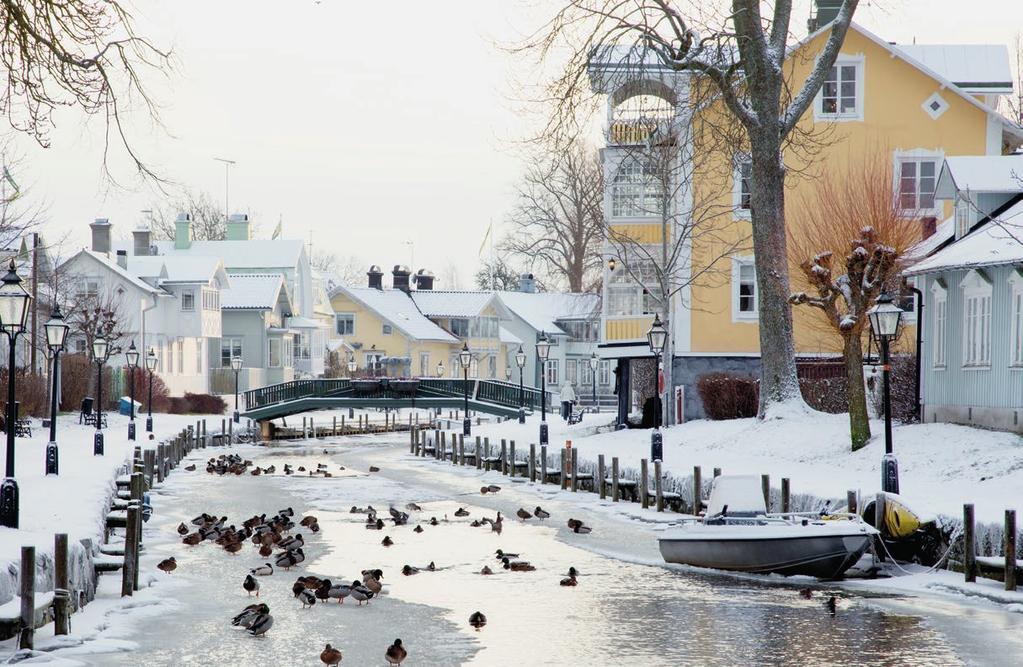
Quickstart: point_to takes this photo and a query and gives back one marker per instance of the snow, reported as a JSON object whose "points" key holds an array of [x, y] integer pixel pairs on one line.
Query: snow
{"points": [[541, 310], [451, 303], [251, 254], [252, 291], [995, 243], [397, 308], [981, 173], [976, 68]]}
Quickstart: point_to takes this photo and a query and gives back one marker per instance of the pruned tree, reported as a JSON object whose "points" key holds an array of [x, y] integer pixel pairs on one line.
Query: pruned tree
{"points": [[743, 56], [496, 273], [91, 315], [853, 234], [83, 54], [208, 221], [558, 219]]}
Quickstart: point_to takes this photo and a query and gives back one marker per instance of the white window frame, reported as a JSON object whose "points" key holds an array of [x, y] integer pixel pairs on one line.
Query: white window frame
{"points": [[190, 294], [604, 373], [1016, 315], [571, 371], [288, 347], [552, 371], [636, 179], [170, 357], [199, 350], [738, 262], [963, 217], [918, 155], [739, 210], [230, 341], [339, 317], [856, 61], [424, 364], [939, 326], [270, 342], [977, 293], [181, 356], [943, 105]]}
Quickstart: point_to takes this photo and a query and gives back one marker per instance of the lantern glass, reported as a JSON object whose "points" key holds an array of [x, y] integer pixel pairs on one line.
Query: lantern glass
{"points": [[507, 372], [99, 348], [657, 336], [885, 318], [13, 302], [465, 356], [132, 355], [151, 360], [56, 330], [611, 263], [520, 358], [440, 369], [594, 361], [236, 363], [543, 347]]}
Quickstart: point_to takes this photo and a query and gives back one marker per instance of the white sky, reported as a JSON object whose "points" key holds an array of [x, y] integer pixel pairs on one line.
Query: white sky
{"points": [[364, 124]]}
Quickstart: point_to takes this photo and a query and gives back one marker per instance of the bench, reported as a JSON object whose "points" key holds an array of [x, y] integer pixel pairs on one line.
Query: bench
{"points": [[23, 428], [627, 488]]}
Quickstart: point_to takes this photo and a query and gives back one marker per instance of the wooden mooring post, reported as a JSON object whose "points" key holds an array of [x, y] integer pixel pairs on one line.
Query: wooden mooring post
{"points": [[969, 544], [697, 489], [543, 464], [563, 477], [511, 458], [61, 589], [786, 504], [658, 490], [504, 457], [575, 469], [1010, 550], [615, 491], [765, 486], [27, 577], [479, 454], [531, 465], [601, 476], [131, 545], [137, 491], [644, 481]]}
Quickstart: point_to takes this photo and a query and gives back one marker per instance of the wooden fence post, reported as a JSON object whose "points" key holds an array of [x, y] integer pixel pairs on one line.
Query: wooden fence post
{"points": [[615, 491], [27, 575], [543, 464], [136, 495], [658, 491], [131, 546], [563, 478], [969, 544], [601, 477], [159, 462], [850, 501], [575, 470], [644, 480], [765, 486], [504, 457], [61, 590], [697, 489], [531, 464], [511, 458], [785, 496], [1010, 550]]}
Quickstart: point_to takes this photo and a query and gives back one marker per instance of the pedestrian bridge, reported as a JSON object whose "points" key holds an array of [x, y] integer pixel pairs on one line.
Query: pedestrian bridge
{"points": [[493, 397]]}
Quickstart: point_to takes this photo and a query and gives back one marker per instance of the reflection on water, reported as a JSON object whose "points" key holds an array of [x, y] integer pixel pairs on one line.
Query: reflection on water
{"points": [[620, 613]]}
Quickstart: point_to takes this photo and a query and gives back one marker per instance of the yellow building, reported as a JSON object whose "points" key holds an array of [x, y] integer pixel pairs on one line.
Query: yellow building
{"points": [[910, 105]]}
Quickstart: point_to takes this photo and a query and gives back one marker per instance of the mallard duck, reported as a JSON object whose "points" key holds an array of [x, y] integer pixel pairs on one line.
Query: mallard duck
{"points": [[574, 523], [417, 529], [249, 614], [476, 523], [373, 584], [831, 605], [375, 525], [340, 592], [477, 620], [523, 515], [583, 530], [192, 539], [251, 585], [330, 656], [314, 527], [361, 593], [266, 551], [408, 570], [431, 566], [261, 624], [396, 653], [433, 521], [233, 547], [387, 541], [293, 542], [569, 581], [541, 514], [290, 559], [182, 529], [374, 469], [461, 512], [517, 565], [484, 490], [288, 511], [499, 554], [190, 467], [493, 488], [297, 587], [572, 572], [497, 526], [168, 565], [486, 570], [256, 471], [307, 521], [376, 573], [307, 598], [412, 507], [264, 570]]}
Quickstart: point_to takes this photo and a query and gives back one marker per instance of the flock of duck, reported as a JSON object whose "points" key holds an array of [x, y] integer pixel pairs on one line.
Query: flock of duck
{"points": [[279, 541]]}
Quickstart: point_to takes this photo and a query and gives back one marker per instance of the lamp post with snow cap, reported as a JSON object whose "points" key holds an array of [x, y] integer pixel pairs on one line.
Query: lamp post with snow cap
{"points": [[465, 358], [100, 352], [885, 318], [543, 350], [656, 337], [150, 366], [56, 333], [594, 361], [14, 300], [520, 361], [132, 356], [236, 366]]}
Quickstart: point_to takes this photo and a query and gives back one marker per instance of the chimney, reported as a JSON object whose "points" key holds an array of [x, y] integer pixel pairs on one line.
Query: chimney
{"points": [[400, 275], [142, 240], [101, 235], [122, 259], [238, 227], [527, 283], [183, 232], [827, 11], [928, 226], [376, 277], [424, 279]]}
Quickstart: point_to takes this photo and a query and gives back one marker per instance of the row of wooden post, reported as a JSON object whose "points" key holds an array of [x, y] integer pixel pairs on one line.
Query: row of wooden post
{"points": [[970, 546]]}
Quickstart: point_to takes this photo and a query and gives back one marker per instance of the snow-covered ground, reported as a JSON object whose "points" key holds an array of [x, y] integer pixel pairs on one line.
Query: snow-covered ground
{"points": [[941, 466]]}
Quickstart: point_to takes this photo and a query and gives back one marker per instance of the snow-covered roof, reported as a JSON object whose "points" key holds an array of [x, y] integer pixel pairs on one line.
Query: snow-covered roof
{"points": [[996, 242], [980, 173], [945, 231], [540, 310], [175, 268], [452, 303], [399, 309], [304, 323], [508, 337], [112, 265], [251, 254], [976, 68], [253, 291]]}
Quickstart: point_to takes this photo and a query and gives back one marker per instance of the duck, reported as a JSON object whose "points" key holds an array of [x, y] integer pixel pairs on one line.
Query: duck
{"points": [[417, 529], [431, 567], [433, 521], [572, 572], [412, 507], [375, 525], [251, 585], [307, 598], [497, 526], [192, 539], [255, 472], [233, 547], [569, 581], [408, 570], [307, 521], [340, 592], [288, 512], [376, 573], [168, 565], [247, 615], [541, 514], [261, 624], [484, 490], [374, 469], [461, 511], [361, 593], [297, 588], [387, 541], [831, 605], [806, 593], [476, 523], [266, 551], [517, 565], [583, 530], [499, 554], [182, 529], [486, 570], [493, 488], [190, 467], [322, 591], [523, 515], [373, 584], [574, 523], [330, 656], [292, 542], [314, 527], [395, 653], [477, 620], [264, 570], [290, 559]]}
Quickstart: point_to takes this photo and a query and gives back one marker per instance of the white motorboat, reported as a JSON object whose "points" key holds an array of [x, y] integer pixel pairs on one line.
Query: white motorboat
{"points": [[737, 533]]}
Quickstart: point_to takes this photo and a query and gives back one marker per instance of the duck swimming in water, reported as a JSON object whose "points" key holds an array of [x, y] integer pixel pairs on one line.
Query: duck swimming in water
{"points": [[387, 541], [461, 511], [408, 570], [182, 529]]}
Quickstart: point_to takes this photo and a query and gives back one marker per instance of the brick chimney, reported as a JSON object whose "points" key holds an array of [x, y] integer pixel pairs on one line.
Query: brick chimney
{"points": [[142, 241], [376, 277], [424, 279], [400, 275], [928, 226], [100, 235], [527, 283]]}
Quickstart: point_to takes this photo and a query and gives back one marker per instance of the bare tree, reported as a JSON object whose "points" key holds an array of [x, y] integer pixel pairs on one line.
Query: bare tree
{"points": [[91, 315], [208, 223], [860, 219], [19, 214], [742, 55], [449, 277], [1014, 102], [349, 270], [558, 221], [75, 53], [497, 273]]}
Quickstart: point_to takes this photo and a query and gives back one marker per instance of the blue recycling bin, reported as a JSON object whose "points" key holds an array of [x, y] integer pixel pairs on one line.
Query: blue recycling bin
{"points": [[124, 407]]}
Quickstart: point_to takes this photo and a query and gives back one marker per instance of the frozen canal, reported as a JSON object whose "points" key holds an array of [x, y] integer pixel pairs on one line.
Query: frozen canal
{"points": [[627, 609]]}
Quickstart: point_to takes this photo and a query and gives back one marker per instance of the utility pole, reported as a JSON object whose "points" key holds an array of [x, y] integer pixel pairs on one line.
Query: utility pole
{"points": [[227, 185]]}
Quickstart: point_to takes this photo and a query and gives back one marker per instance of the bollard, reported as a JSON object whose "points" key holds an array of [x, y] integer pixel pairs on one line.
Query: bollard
{"points": [[543, 464], [130, 549], [658, 491], [786, 497], [149, 463], [1010, 550], [461, 451], [601, 475], [615, 494], [969, 543], [532, 462], [27, 576], [850, 501], [504, 457], [644, 480], [159, 463], [511, 458], [411, 438], [230, 431], [765, 486], [136, 495], [61, 592], [575, 469], [223, 430]]}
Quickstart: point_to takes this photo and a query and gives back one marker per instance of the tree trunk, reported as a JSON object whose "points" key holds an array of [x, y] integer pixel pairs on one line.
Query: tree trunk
{"points": [[778, 382], [859, 422]]}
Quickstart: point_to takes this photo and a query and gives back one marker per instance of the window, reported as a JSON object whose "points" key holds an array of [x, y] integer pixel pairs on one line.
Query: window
{"points": [[424, 364], [483, 327], [373, 362], [744, 289], [587, 372], [300, 345], [570, 371], [627, 297], [170, 356], [188, 300], [917, 178], [935, 105], [604, 372], [386, 329], [962, 214], [289, 353], [552, 371], [88, 289], [841, 96], [460, 327], [274, 352], [210, 299], [940, 311], [181, 356], [741, 193], [492, 366], [345, 323], [1016, 313], [199, 350], [636, 191], [229, 347], [976, 320]]}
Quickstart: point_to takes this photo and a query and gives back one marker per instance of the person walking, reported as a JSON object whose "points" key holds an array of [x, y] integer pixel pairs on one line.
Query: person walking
{"points": [[567, 400]]}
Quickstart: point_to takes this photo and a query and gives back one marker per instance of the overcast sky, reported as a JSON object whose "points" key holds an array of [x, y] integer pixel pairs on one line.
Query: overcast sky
{"points": [[363, 125]]}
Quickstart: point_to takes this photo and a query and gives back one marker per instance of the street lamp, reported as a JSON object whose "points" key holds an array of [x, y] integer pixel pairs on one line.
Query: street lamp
{"points": [[236, 366], [543, 350], [440, 369], [100, 352], [885, 318], [507, 373], [13, 313], [56, 332], [352, 365], [520, 361], [465, 358], [656, 337], [150, 366], [132, 356], [594, 361]]}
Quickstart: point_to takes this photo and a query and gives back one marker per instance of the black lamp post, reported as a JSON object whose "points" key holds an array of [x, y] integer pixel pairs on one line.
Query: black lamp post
{"points": [[236, 366], [100, 352], [150, 366], [465, 358], [13, 313], [885, 318], [56, 332], [656, 337], [132, 356], [520, 361], [543, 350]]}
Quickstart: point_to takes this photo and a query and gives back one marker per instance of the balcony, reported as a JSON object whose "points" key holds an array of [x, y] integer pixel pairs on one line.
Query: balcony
{"points": [[637, 131]]}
